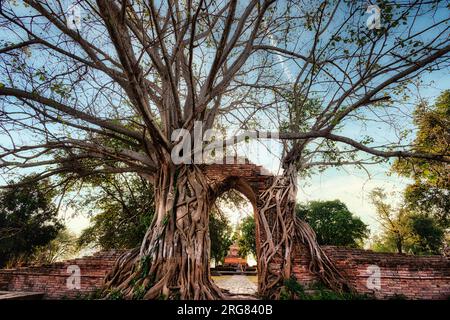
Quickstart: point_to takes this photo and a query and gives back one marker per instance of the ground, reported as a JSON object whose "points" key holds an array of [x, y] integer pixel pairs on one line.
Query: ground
{"points": [[238, 284]]}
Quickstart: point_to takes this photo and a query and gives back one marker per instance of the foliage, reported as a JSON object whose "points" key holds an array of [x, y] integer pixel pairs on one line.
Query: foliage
{"points": [[115, 294], [63, 247], [220, 232], [333, 223], [394, 222], [247, 236], [126, 205], [418, 225], [406, 230], [220, 229], [427, 234], [28, 220], [429, 201], [430, 193], [293, 290]]}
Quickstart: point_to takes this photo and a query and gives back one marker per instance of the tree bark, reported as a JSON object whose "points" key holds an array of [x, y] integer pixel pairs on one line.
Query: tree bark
{"points": [[399, 244], [282, 229], [173, 260]]}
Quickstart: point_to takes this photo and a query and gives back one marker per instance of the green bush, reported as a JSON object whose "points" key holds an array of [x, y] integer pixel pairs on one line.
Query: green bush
{"points": [[294, 290]]}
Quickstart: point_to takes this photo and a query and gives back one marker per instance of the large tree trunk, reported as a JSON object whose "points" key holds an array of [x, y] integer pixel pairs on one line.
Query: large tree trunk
{"points": [[173, 260], [281, 229]]}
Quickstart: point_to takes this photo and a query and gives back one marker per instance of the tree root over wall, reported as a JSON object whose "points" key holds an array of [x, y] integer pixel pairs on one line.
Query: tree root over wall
{"points": [[281, 229], [173, 260]]}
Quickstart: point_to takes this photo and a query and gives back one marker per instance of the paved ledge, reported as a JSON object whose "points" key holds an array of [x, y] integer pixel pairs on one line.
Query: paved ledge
{"points": [[19, 295]]}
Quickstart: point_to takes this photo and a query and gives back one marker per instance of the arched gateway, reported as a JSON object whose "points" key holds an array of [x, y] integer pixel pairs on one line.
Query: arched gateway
{"points": [[252, 181], [249, 179]]}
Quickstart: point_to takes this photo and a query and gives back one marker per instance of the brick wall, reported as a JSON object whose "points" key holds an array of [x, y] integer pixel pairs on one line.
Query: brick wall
{"points": [[52, 278], [414, 277]]}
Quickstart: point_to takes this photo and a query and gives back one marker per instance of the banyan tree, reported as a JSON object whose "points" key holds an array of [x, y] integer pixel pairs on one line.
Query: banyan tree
{"points": [[113, 86]]}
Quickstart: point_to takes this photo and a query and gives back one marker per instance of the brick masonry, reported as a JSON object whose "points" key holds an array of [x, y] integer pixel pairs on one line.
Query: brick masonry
{"points": [[413, 277], [401, 275], [52, 279]]}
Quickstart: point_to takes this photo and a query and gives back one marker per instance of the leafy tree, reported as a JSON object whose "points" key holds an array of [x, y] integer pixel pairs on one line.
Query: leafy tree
{"points": [[404, 230], [333, 223], [394, 222], [220, 229], [220, 232], [424, 213], [247, 236], [162, 66], [63, 247], [28, 219], [126, 207], [429, 195], [428, 236], [429, 201]]}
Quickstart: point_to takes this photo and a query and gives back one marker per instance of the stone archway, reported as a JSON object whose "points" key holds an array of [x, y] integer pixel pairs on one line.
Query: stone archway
{"points": [[247, 178]]}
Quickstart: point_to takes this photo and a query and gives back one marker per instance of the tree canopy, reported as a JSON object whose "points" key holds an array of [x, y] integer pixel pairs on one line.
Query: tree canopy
{"points": [[221, 230], [221, 234], [418, 224], [429, 195], [246, 236], [28, 220], [333, 223], [62, 247], [122, 209], [404, 230], [137, 72]]}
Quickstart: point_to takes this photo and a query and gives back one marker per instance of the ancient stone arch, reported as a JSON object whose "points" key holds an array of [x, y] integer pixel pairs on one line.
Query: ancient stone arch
{"points": [[249, 179]]}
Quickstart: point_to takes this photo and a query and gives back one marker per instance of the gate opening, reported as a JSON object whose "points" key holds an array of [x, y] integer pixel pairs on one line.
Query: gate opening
{"points": [[232, 228]]}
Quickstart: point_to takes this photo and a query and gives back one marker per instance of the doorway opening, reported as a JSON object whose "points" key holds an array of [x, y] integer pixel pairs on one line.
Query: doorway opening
{"points": [[232, 228]]}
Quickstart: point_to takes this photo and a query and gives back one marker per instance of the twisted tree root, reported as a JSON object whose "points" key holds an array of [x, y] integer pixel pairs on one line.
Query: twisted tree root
{"points": [[282, 229]]}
